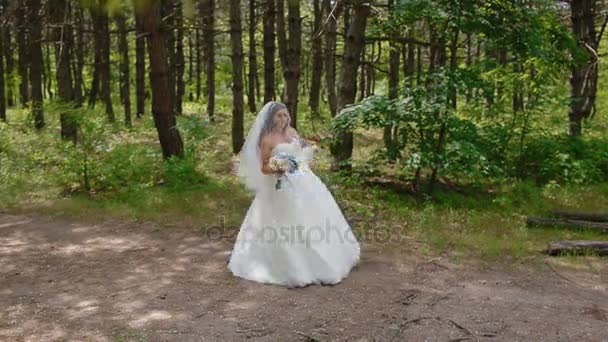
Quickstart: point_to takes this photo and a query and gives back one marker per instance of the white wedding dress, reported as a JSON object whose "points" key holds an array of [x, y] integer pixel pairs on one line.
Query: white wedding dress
{"points": [[295, 235]]}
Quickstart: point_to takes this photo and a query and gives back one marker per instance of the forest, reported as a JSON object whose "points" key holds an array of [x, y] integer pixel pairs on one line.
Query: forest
{"points": [[138, 108], [464, 141]]}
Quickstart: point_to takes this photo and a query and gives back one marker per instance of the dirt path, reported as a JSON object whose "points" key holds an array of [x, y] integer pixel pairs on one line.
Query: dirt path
{"points": [[70, 281]]}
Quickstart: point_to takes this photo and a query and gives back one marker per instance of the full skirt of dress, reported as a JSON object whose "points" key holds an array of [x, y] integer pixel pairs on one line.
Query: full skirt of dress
{"points": [[295, 235]]}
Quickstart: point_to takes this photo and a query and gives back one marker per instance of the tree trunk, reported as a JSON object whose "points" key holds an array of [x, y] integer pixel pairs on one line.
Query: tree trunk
{"points": [[583, 81], [578, 248], [453, 65], [23, 53], [207, 10], [418, 65], [97, 27], [469, 62], [102, 37], [410, 61], [393, 90], [140, 67], [269, 51], [595, 217], [35, 50], [59, 12], [342, 148], [8, 58], [258, 93], [79, 63], [369, 71], [282, 40], [566, 223], [105, 72], [438, 59], [518, 95], [362, 64], [291, 70], [46, 67], [2, 86], [253, 65], [162, 106], [317, 58], [169, 13], [236, 36], [125, 80], [190, 65], [346, 21], [330, 52], [180, 61], [198, 64]]}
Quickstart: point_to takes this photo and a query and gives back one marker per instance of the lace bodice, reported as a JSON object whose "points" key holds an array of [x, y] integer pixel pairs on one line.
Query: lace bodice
{"points": [[302, 154]]}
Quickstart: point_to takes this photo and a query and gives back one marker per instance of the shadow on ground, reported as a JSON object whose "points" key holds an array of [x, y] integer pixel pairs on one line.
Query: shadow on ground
{"points": [[69, 281]]}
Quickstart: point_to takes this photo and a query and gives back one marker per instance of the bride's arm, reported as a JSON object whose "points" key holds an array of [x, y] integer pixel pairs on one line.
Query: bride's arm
{"points": [[265, 151]]}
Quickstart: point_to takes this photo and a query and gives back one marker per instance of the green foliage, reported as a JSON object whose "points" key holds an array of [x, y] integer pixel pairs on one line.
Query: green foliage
{"points": [[26, 160], [117, 6], [118, 168], [106, 159], [103, 159], [423, 118], [193, 128], [485, 139], [478, 148], [182, 173], [562, 159]]}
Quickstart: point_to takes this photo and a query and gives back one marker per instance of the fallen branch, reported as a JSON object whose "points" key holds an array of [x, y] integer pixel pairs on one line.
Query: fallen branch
{"points": [[565, 223], [471, 334], [408, 297], [307, 338], [416, 320], [594, 217], [137, 249], [578, 247]]}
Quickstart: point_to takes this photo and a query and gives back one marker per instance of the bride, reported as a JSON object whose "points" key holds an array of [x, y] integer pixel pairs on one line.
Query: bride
{"points": [[294, 233]]}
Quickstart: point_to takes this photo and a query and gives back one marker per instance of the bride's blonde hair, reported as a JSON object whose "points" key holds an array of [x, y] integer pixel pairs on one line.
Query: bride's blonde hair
{"points": [[269, 121]]}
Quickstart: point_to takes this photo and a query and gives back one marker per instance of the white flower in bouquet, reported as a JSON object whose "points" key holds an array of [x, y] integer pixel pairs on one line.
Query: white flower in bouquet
{"points": [[283, 162]]}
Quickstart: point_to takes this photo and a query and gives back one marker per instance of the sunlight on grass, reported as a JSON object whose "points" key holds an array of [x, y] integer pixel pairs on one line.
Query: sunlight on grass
{"points": [[201, 191]]}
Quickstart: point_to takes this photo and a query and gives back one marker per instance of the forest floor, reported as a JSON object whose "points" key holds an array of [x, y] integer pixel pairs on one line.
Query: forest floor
{"points": [[66, 280]]}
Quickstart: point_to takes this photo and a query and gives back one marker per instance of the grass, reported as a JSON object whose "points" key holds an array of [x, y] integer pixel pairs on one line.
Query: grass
{"points": [[143, 188], [201, 191], [489, 229]]}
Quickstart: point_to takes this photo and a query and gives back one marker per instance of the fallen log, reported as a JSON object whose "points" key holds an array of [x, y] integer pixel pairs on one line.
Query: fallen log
{"points": [[578, 247], [595, 217], [544, 221]]}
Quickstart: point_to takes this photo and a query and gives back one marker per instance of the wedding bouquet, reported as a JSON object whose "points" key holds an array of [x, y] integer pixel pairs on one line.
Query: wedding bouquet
{"points": [[284, 162]]}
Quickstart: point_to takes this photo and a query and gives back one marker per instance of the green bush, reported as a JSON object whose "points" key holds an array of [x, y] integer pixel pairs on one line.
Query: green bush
{"points": [[102, 162], [115, 169], [562, 159], [473, 150], [182, 173]]}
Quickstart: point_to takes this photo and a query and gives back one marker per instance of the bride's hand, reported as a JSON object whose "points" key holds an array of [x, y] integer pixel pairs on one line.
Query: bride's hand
{"points": [[304, 142]]}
